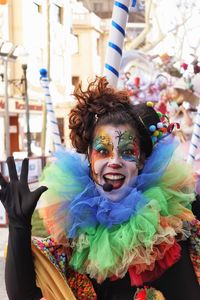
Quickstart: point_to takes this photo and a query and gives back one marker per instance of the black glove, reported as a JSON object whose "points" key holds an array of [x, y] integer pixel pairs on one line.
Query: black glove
{"points": [[18, 201]]}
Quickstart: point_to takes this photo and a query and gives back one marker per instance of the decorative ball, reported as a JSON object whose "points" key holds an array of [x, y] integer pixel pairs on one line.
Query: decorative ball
{"points": [[184, 66], [154, 139], [43, 72], [152, 128], [164, 129], [149, 103], [159, 125], [159, 114], [156, 133]]}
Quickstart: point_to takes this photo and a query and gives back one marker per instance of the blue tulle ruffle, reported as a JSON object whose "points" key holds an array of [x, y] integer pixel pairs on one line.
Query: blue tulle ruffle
{"points": [[89, 208]]}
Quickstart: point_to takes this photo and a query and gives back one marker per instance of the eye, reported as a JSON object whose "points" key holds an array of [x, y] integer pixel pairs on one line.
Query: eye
{"points": [[102, 151], [127, 152]]}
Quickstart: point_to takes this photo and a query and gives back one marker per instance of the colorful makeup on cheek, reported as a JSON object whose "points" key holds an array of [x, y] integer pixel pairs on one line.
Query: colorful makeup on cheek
{"points": [[102, 148]]}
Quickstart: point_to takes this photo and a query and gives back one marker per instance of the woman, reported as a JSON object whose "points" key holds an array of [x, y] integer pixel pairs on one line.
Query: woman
{"points": [[121, 220]]}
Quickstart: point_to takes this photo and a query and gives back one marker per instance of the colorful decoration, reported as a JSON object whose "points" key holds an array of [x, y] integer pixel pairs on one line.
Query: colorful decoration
{"points": [[141, 90], [50, 111], [56, 254], [184, 66], [150, 104], [162, 128], [165, 58], [137, 82], [195, 247], [116, 40], [148, 293], [134, 2]]}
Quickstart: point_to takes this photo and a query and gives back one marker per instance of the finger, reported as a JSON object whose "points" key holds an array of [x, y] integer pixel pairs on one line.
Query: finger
{"points": [[1, 196], [3, 182], [24, 170], [12, 168], [2, 199], [37, 193]]}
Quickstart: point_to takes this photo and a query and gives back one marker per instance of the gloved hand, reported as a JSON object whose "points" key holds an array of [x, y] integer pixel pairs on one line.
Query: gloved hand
{"points": [[18, 200]]}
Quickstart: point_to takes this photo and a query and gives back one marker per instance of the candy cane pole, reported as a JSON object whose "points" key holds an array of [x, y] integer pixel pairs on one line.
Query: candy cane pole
{"points": [[50, 111], [195, 140], [116, 40]]}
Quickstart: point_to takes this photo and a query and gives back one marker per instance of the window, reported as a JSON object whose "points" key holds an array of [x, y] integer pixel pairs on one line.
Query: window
{"points": [[57, 13], [98, 46], [76, 46], [98, 7], [75, 80], [37, 8]]}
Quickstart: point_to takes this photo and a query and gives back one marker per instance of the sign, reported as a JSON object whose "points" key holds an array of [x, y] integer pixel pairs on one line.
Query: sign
{"points": [[35, 168], [18, 105]]}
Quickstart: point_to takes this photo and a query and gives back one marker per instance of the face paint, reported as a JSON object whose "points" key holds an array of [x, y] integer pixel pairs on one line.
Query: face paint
{"points": [[128, 146], [102, 146], [114, 158]]}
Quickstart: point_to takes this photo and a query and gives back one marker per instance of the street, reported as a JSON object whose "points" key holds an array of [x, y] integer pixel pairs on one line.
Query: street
{"points": [[3, 295]]}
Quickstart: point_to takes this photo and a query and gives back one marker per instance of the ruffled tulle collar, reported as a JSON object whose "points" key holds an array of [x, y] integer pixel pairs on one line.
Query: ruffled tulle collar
{"points": [[91, 208], [137, 234]]}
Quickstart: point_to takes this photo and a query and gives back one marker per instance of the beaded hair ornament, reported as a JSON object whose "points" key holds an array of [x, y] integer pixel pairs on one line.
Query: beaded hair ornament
{"points": [[162, 128]]}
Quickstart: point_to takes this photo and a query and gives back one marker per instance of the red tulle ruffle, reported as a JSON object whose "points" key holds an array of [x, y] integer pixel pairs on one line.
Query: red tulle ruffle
{"points": [[172, 255]]}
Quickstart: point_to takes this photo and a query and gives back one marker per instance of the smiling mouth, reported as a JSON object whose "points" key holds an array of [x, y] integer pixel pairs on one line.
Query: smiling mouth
{"points": [[117, 180]]}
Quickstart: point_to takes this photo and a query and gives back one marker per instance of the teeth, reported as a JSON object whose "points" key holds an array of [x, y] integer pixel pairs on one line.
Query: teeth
{"points": [[114, 177]]}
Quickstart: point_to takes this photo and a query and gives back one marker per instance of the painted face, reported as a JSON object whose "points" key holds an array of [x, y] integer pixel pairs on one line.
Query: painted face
{"points": [[114, 158]]}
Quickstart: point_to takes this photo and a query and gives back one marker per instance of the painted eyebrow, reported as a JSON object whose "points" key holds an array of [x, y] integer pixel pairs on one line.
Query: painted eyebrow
{"points": [[125, 135], [101, 140]]}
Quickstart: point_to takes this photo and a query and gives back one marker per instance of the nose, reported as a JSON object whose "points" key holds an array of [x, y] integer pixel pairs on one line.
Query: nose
{"points": [[115, 161], [114, 166]]}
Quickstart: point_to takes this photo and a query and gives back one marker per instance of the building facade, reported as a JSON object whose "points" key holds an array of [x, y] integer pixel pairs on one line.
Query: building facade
{"points": [[88, 60], [43, 28], [69, 39]]}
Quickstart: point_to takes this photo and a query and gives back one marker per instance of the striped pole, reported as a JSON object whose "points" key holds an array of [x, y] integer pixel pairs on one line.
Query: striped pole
{"points": [[195, 140], [116, 40], [50, 111]]}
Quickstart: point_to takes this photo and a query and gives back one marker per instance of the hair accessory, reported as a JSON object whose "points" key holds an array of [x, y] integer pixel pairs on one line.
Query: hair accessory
{"points": [[149, 103], [162, 128], [157, 131], [172, 125]]}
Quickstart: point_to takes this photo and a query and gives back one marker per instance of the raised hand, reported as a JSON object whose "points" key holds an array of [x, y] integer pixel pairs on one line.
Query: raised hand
{"points": [[16, 197]]}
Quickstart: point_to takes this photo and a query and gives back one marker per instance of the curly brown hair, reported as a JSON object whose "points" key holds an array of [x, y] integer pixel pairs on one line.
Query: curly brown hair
{"points": [[102, 104]]}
